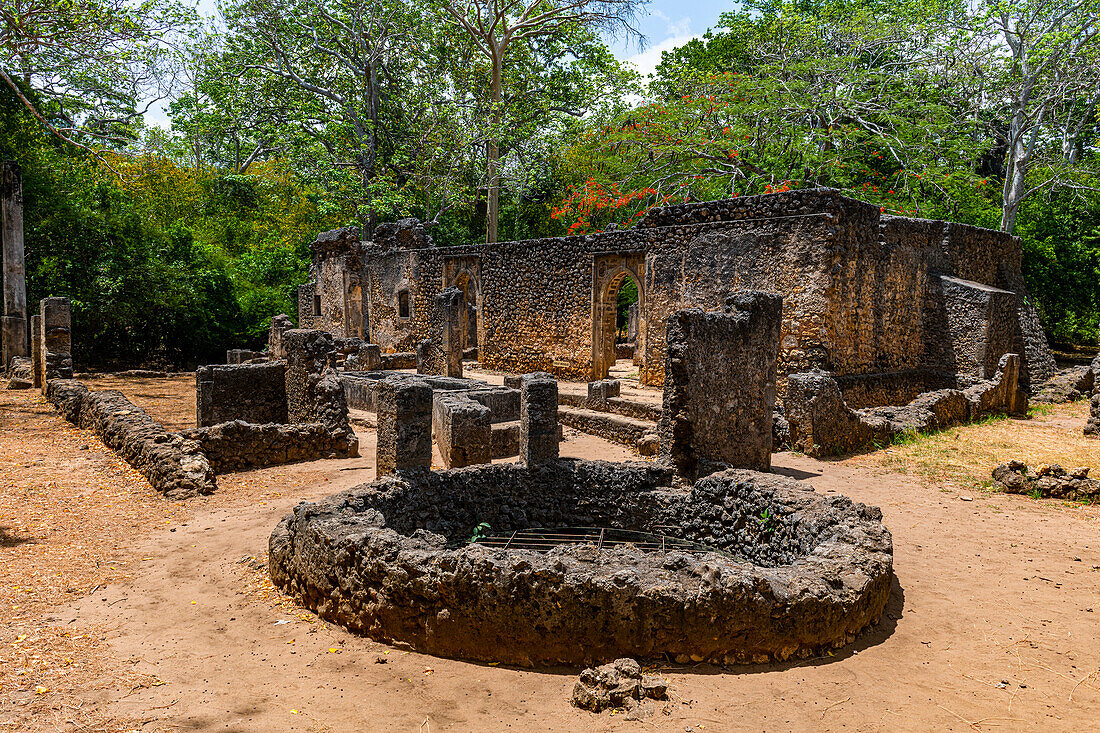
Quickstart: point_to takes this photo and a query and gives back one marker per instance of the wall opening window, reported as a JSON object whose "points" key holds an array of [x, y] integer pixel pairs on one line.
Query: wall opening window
{"points": [[404, 306], [317, 305]]}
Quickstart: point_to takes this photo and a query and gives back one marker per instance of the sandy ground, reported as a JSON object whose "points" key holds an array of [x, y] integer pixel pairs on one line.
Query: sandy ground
{"points": [[151, 615]]}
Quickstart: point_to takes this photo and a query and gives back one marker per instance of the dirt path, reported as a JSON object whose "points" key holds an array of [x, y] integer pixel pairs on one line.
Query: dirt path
{"points": [[990, 588]]}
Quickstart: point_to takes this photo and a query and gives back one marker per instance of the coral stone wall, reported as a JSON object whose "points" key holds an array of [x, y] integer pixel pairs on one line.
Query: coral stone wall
{"points": [[792, 572], [254, 393], [862, 296]]}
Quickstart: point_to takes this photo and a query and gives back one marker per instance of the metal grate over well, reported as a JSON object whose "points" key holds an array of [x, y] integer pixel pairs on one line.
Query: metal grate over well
{"points": [[544, 539]]}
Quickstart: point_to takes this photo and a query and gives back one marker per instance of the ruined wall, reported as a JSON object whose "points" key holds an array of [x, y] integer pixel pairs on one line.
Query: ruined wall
{"points": [[862, 294], [254, 393]]}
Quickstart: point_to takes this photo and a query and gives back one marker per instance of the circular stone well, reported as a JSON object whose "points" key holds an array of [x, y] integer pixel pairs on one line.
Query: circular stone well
{"points": [[393, 560]]}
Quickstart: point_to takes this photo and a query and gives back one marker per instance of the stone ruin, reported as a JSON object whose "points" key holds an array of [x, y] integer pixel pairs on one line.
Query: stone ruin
{"points": [[247, 415], [551, 560], [1051, 481], [890, 307], [1092, 426], [13, 282], [764, 568], [720, 376], [820, 423], [619, 684]]}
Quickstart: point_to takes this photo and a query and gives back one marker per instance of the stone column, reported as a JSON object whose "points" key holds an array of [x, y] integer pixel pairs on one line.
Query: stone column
{"points": [[369, 358], [280, 324], [720, 372], [57, 341], [404, 426], [424, 357], [13, 315], [38, 367], [451, 311], [538, 415]]}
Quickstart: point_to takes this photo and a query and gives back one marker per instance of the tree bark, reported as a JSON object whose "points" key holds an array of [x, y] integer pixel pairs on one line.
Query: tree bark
{"points": [[492, 151]]}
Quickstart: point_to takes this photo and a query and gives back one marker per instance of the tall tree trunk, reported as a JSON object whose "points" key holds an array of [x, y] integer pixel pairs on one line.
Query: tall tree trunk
{"points": [[492, 152]]}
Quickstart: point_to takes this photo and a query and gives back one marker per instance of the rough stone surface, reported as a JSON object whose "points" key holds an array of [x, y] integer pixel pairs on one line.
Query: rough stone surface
{"points": [[863, 296], [619, 684], [1051, 481], [720, 389], [404, 426], [20, 373], [445, 356], [391, 560], [538, 416], [57, 358], [38, 375], [604, 389], [1067, 385], [173, 465], [254, 393], [313, 389], [462, 428], [399, 360], [1092, 425], [280, 324], [820, 423], [240, 446], [640, 435]]}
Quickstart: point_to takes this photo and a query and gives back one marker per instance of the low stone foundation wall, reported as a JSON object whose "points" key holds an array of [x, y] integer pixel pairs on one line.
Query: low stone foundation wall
{"points": [[254, 393], [240, 446], [172, 464], [399, 360], [1051, 481], [1067, 385], [791, 573], [821, 423]]}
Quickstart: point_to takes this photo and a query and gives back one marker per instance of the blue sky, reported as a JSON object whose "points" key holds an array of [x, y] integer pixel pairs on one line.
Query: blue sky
{"points": [[668, 24]]}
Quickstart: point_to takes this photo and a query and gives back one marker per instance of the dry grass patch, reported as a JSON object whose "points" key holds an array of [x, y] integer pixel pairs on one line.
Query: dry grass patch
{"points": [[966, 455]]}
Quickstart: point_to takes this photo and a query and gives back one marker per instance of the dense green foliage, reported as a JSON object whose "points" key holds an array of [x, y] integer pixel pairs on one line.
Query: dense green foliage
{"points": [[290, 117], [167, 266]]}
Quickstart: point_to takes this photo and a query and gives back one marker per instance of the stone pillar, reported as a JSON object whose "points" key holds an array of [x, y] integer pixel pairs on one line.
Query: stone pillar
{"points": [[404, 426], [538, 415], [38, 367], [451, 311], [13, 314], [280, 324], [463, 430], [204, 396], [313, 390], [424, 357], [720, 372], [370, 358], [57, 341]]}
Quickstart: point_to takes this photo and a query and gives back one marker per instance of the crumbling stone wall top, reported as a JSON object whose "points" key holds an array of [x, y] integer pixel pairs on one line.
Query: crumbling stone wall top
{"points": [[393, 560]]}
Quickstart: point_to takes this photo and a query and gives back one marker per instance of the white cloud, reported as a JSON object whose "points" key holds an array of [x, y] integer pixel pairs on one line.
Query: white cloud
{"points": [[646, 61], [681, 27]]}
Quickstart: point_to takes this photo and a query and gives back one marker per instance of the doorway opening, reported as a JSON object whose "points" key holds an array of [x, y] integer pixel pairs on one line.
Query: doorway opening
{"points": [[616, 321]]}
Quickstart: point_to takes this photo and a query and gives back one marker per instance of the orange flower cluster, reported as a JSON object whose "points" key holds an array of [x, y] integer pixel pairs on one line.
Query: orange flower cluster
{"points": [[581, 204]]}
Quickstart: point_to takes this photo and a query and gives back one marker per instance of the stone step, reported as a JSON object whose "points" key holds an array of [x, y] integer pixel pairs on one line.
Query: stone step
{"points": [[640, 435]]}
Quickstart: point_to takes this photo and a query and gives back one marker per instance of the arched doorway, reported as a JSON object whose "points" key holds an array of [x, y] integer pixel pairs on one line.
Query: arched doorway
{"points": [[617, 292], [464, 273]]}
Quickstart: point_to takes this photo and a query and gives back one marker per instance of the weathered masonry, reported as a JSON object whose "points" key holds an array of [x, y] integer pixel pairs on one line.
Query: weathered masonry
{"points": [[890, 306]]}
